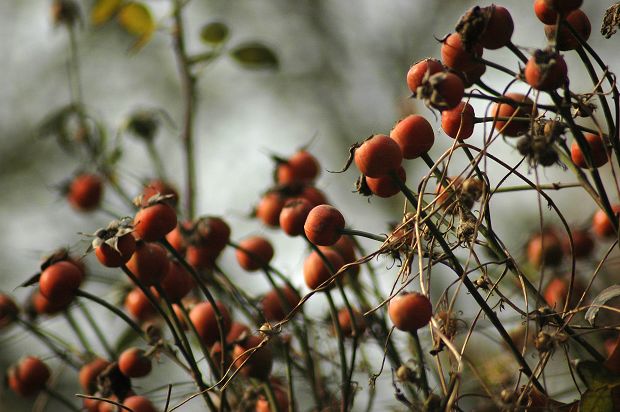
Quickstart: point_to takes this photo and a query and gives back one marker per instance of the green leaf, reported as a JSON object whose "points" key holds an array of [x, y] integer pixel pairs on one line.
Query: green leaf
{"points": [[103, 10], [597, 400], [214, 33], [595, 375], [137, 20], [254, 56]]}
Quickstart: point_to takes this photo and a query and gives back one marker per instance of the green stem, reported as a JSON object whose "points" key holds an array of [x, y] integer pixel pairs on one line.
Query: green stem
{"points": [[97, 330], [188, 83], [47, 341], [341, 351], [422, 367], [113, 309], [78, 331]]}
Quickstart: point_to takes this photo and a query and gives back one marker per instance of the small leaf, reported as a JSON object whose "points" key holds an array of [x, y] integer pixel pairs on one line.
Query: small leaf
{"points": [[32, 280], [597, 400], [103, 11], [214, 33], [595, 376], [255, 56], [137, 20], [600, 300]]}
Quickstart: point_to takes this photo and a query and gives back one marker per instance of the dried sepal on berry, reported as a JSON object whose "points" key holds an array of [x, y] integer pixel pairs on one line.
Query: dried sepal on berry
{"points": [[442, 91], [115, 244], [110, 235], [491, 27], [611, 21]]}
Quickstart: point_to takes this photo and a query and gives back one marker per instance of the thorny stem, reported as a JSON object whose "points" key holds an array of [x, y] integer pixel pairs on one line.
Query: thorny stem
{"points": [[470, 286], [188, 83]]}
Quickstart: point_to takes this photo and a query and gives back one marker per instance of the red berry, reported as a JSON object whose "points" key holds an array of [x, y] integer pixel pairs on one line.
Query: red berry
{"points": [[415, 136], [259, 361], [8, 310], [314, 196], [385, 186], [346, 325], [269, 208], [324, 225], [177, 282], [134, 364], [203, 317], [563, 6], [154, 222], [212, 232], [458, 123], [420, 70], [301, 167], [378, 156], [442, 91], [201, 257], [237, 331], [157, 186], [263, 405], [454, 55], [110, 257], [149, 263], [513, 128], [315, 270], [545, 249], [29, 376], [556, 291], [410, 311], [59, 281], [598, 152], [583, 244], [89, 372], [293, 216], [546, 70], [274, 308], [565, 39], [601, 225], [139, 404], [44, 306], [471, 76], [85, 192], [139, 305], [177, 237], [499, 28], [254, 253], [544, 13]]}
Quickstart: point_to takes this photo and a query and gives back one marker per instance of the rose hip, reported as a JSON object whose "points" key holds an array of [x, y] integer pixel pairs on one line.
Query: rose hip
{"points": [[293, 216], [254, 253], [598, 152], [324, 225], [315, 270], [458, 123], [410, 311], [378, 156], [415, 136]]}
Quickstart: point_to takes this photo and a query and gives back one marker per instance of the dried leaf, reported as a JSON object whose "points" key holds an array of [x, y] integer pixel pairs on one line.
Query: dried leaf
{"points": [[103, 11], [255, 56], [611, 21], [137, 20], [600, 300]]}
